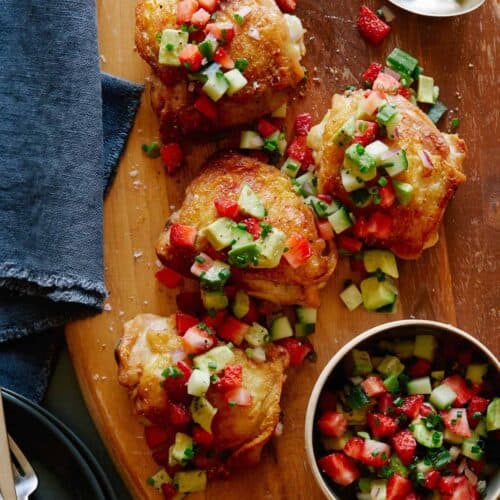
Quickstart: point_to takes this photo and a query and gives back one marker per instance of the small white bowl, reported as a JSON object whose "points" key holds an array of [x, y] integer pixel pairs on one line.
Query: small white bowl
{"points": [[387, 330], [438, 8]]}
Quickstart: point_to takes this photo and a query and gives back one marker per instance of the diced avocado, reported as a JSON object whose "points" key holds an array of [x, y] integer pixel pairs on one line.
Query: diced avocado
{"points": [[240, 236], [220, 233], [442, 396], [425, 92], [350, 180], [376, 149], [161, 477], [271, 249], [340, 220], [365, 484], [391, 383], [345, 133], [216, 84], [241, 304], [203, 413], [351, 297], [171, 44], [480, 431], [438, 375], [403, 349], [390, 365], [476, 372], [376, 293], [307, 314], [280, 112], [420, 385], [257, 335], [182, 449], [452, 437], [281, 328], [236, 81], [243, 255], [215, 360], [315, 135], [396, 164], [381, 259], [216, 276], [291, 167], [250, 204], [198, 383], [361, 362], [379, 489], [425, 346], [426, 437], [304, 329], [357, 159], [335, 444], [216, 299], [306, 184], [403, 191], [472, 448], [397, 466], [251, 140], [493, 415], [190, 481]]}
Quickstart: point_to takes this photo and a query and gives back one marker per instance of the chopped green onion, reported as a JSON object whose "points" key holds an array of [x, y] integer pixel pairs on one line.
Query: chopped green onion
{"points": [[200, 259], [241, 64], [239, 18], [152, 150], [382, 181], [455, 122]]}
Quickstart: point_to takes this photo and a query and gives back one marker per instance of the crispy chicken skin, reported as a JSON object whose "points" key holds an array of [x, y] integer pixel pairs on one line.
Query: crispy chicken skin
{"points": [[145, 350], [415, 226], [274, 66], [224, 176]]}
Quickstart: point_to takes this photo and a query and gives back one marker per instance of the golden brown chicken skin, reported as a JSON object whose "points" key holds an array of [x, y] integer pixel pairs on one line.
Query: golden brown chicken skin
{"points": [[224, 176], [149, 345], [272, 48], [414, 226]]}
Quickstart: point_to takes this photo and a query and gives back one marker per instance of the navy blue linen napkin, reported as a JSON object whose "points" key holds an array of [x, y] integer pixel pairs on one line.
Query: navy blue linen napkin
{"points": [[62, 129]]}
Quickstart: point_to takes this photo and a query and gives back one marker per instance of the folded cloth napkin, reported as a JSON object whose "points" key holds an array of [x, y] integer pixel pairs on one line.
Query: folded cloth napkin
{"points": [[62, 130]]}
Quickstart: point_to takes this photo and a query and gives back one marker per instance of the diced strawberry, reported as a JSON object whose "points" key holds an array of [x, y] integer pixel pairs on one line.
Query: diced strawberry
{"points": [[155, 435], [238, 397], [332, 424], [325, 229], [210, 5], [189, 302], [184, 321], [373, 386], [303, 124], [298, 150], [215, 320], [371, 27], [432, 479], [349, 244], [405, 446], [299, 250], [448, 484], [169, 491], [222, 57], [160, 456], [398, 487], [379, 225], [411, 405], [464, 358], [172, 155], [182, 235], [354, 448], [341, 469], [375, 453], [459, 386], [201, 264], [197, 340], [175, 386], [327, 401], [266, 128], [457, 488], [178, 414], [386, 83], [420, 368], [206, 107], [226, 207], [223, 32], [252, 314], [233, 330], [387, 195], [381, 425], [253, 227], [190, 57], [202, 437], [233, 378], [476, 405], [297, 349], [168, 277], [200, 19], [365, 132], [406, 93], [456, 421], [426, 409], [185, 10], [386, 404], [371, 73], [360, 228]]}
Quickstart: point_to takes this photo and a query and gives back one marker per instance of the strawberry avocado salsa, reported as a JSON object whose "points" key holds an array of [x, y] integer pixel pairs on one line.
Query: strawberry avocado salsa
{"points": [[415, 418]]}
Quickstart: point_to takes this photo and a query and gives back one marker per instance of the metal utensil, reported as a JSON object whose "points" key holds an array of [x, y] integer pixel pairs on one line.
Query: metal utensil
{"points": [[438, 8], [26, 478], [7, 486]]}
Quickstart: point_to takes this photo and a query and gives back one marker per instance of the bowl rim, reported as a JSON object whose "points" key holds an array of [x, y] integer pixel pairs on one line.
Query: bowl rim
{"points": [[339, 355], [422, 12]]}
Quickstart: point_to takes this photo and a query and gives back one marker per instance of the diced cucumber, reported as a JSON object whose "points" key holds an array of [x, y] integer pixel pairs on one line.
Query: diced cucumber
{"points": [[376, 294], [315, 135], [378, 489], [216, 85], [350, 180], [401, 61], [275, 142], [471, 448], [161, 477], [476, 372], [236, 81], [493, 415], [271, 249], [345, 133], [182, 449], [376, 149], [220, 233], [251, 140], [240, 236], [306, 184], [391, 127], [442, 396], [198, 383], [203, 413], [361, 197], [191, 481], [425, 92], [304, 329], [335, 443], [425, 347], [171, 44], [280, 112], [397, 466], [340, 220], [321, 208], [391, 365], [216, 299], [386, 114], [381, 259], [426, 437], [307, 314], [403, 191], [437, 111], [215, 360], [257, 335], [291, 167], [396, 164], [453, 438], [357, 157], [241, 304], [281, 328], [420, 385], [351, 297], [365, 484], [250, 204], [391, 383], [361, 362], [216, 276]]}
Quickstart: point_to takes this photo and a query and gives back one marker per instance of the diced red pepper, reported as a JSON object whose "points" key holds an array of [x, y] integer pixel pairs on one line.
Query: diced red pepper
{"points": [[332, 424], [197, 340], [325, 230], [303, 124], [299, 250], [222, 32], [202, 437], [253, 227], [456, 421], [222, 57], [405, 446], [298, 150], [287, 5], [178, 414], [216, 320], [371, 73], [168, 277], [387, 195], [239, 397], [210, 5], [381, 425], [185, 10], [386, 83], [398, 487], [476, 405], [371, 27], [233, 330], [349, 244], [432, 479], [411, 405], [184, 321], [373, 386], [341, 469], [365, 132], [379, 225], [266, 128], [226, 207], [200, 19], [189, 302], [459, 386], [297, 350], [182, 235], [191, 57], [232, 378], [172, 156], [420, 368], [155, 435], [206, 107], [169, 491]]}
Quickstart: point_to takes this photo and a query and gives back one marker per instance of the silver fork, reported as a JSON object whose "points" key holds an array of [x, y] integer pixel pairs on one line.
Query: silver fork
{"points": [[25, 477]]}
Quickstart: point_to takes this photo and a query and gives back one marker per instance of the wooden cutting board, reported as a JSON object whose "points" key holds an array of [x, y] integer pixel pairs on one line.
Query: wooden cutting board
{"points": [[456, 281]]}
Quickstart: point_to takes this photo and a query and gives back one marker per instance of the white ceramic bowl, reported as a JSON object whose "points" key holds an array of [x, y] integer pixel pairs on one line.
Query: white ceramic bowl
{"points": [[403, 328], [438, 8]]}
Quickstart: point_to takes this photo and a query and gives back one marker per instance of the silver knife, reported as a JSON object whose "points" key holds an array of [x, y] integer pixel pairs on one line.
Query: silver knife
{"points": [[7, 486]]}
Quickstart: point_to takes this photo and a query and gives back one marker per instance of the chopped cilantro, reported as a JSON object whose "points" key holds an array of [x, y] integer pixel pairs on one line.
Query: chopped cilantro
{"points": [[152, 149], [232, 403]]}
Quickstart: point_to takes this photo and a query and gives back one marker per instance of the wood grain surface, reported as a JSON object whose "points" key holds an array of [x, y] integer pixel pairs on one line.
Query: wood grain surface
{"points": [[456, 281]]}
